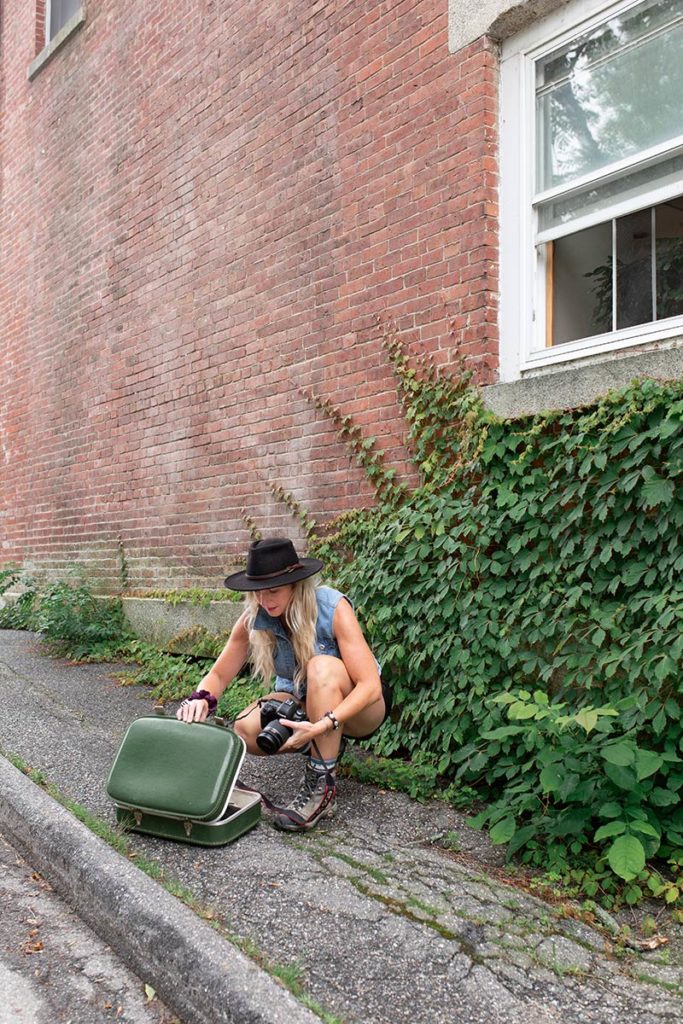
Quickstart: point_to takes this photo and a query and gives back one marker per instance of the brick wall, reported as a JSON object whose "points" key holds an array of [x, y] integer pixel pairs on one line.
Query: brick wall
{"points": [[205, 208]]}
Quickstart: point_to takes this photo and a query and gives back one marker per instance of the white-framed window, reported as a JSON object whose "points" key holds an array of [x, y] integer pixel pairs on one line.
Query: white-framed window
{"points": [[57, 13], [591, 193]]}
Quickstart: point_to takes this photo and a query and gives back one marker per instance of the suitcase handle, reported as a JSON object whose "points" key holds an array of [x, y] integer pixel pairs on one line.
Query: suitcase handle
{"points": [[218, 720]]}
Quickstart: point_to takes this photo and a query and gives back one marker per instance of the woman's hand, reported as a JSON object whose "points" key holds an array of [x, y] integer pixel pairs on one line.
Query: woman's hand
{"points": [[303, 733], [193, 711]]}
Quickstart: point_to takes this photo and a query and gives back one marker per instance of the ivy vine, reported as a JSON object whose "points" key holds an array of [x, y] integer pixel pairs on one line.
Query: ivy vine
{"points": [[525, 602]]}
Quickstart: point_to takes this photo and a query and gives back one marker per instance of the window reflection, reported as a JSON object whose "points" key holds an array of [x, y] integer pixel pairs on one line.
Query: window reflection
{"points": [[610, 93], [58, 13], [634, 269], [574, 279]]}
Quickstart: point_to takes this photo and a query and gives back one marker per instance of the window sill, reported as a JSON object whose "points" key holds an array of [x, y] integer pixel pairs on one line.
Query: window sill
{"points": [[657, 331], [48, 52], [566, 387]]}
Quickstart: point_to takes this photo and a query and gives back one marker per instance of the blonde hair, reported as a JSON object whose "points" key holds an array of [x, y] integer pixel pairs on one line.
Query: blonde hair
{"points": [[300, 618]]}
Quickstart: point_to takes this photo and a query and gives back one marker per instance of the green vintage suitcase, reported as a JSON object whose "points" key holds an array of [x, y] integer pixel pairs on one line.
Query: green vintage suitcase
{"points": [[179, 781]]}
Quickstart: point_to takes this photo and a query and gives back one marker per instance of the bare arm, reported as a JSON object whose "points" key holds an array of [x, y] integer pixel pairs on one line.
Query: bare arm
{"points": [[357, 666], [358, 662], [223, 671]]}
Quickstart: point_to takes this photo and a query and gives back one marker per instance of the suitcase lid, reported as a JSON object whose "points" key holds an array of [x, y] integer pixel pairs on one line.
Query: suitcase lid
{"points": [[181, 770]]}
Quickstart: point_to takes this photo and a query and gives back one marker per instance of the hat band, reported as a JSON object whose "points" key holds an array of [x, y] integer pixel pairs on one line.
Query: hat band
{"points": [[272, 575]]}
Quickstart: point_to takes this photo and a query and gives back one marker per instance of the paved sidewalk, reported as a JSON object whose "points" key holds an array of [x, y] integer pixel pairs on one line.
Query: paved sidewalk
{"points": [[53, 967], [383, 925]]}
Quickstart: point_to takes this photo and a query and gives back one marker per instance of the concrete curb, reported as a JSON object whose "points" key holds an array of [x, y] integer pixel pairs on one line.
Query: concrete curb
{"points": [[199, 975]]}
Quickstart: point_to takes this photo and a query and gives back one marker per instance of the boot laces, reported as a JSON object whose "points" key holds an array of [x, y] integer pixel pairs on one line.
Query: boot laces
{"points": [[310, 783]]}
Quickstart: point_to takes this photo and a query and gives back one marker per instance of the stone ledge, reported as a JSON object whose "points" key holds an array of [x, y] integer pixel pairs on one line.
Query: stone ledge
{"points": [[470, 19], [159, 622], [577, 386]]}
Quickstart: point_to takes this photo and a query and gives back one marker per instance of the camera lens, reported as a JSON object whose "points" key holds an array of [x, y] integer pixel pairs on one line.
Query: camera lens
{"points": [[272, 737]]}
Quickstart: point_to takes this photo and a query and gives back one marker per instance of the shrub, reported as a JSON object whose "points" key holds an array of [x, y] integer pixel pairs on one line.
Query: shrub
{"points": [[17, 613], [77, 624]]}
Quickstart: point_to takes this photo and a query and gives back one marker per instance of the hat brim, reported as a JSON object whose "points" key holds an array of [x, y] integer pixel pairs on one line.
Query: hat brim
{"points": [[240, 580]]}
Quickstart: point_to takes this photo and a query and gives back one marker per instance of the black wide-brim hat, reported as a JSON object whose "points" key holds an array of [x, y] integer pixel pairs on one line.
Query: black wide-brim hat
{"points": [[272, 563]]}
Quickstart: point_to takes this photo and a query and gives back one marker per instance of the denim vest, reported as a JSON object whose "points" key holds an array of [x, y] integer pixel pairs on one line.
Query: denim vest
{"points": [[325, 643]]}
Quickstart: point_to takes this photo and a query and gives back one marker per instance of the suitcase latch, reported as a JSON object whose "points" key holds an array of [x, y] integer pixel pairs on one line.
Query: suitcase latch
{"points": [[187, 825]]}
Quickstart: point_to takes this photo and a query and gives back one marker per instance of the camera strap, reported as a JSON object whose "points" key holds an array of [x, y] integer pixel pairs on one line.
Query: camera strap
{"points": [[329, 778]]}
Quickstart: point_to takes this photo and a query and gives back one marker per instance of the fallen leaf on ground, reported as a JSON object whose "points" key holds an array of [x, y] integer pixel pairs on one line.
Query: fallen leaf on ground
{"points": [[654, 942], [28, 947]]}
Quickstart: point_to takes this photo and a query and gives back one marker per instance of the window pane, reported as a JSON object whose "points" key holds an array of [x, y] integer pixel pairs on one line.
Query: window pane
{"points": [[59, 13], [630, 188], [634, 269], [611, 93], [581, 285], [669, 261], [580, 279]]}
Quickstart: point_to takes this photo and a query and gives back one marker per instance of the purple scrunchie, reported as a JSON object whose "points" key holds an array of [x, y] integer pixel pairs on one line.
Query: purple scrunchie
{"points": [[202, 695]]}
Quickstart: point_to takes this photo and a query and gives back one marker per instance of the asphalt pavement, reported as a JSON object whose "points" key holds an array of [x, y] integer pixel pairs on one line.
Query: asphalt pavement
{"points": [[378, 921], [53, 967]]}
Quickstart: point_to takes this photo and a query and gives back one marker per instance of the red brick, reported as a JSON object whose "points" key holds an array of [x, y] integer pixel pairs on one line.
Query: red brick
{"points": [[202, 215]]}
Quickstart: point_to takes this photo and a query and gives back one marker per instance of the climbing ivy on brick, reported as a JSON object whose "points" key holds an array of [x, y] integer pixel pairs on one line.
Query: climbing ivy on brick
{"points": [[525, 601]]}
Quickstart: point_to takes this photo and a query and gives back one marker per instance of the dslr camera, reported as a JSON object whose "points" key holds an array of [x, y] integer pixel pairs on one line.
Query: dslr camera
{"points": [[273, 733]]}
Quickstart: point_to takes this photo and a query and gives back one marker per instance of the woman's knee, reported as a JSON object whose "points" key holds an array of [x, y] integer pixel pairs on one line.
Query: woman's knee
{"points": [[324, 673], [323, 670]]}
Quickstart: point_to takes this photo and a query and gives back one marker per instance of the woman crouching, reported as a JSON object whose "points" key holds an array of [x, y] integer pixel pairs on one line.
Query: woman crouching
{"points": [[309, 639]]}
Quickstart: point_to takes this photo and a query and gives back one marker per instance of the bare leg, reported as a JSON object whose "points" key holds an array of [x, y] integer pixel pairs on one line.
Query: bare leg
{"points": [[327, 683]]}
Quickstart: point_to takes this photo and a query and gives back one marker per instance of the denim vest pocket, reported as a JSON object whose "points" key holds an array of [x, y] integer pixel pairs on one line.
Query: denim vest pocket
{"points": [[326, 645]]}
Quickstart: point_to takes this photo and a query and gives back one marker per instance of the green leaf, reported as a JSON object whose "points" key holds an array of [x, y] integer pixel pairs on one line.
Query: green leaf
{"points": [[503, 732], [503, 831], [622, 753], [587, 718], [520, 838], [623, 777], [551, 778], [626, 857], [614, 828], [503, 698], [520, 711], [665, 667], [645, 827], [659, 722], [610, 810], [647, 763], [657, 491], [598, 637], [478, 820], [633, 894], [670, 427], [660, 797]]}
